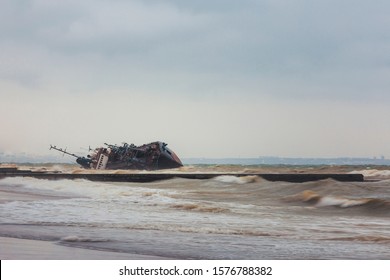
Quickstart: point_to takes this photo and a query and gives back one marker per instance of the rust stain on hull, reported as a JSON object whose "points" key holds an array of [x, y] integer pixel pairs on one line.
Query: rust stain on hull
{"points": [[152, 156]]}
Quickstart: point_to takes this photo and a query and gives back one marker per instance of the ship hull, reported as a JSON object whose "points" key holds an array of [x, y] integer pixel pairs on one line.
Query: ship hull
{"points": [[152, 156]]}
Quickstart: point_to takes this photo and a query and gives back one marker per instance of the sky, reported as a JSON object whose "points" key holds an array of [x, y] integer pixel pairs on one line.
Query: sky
{"points": [[215, 78]]}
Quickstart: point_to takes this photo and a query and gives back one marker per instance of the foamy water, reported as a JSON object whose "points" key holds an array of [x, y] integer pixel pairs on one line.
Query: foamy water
{"points": [[227, 217]]}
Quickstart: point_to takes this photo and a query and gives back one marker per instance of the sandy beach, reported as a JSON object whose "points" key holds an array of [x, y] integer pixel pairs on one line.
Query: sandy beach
{"points": [[23, 249]]}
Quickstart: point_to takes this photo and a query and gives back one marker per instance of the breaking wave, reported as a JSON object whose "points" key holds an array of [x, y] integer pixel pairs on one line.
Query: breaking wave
{"points": [[236, 179], [317, 200], [373, 173]]}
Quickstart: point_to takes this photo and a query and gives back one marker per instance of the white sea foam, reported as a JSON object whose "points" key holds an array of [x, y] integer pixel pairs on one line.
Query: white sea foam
{"points": [[236, 179], [373, 173], [339, 201]]}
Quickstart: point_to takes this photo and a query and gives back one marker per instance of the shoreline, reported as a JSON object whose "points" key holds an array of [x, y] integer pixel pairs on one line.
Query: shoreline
{"points": [[27, 249]]}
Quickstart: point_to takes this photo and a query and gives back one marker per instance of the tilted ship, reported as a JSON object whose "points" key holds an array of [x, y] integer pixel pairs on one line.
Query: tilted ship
{"points": [[152, 156]]}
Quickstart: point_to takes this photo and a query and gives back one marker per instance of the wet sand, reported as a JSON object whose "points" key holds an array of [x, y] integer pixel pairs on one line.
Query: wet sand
{"points": [[24, 249]]}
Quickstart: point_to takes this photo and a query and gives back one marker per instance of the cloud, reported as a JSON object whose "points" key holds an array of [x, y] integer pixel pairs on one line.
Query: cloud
{"points": [[199, 46], [197, 65]]}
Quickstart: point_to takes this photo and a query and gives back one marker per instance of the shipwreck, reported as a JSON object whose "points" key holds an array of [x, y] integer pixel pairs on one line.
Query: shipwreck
{"points": [[152, 156]]}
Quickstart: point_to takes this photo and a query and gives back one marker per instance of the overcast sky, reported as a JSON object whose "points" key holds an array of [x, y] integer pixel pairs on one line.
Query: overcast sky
{"points": [[215, 78]]}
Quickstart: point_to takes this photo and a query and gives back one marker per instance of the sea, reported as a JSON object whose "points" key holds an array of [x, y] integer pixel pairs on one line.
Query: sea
{"points": [[228, 217]]}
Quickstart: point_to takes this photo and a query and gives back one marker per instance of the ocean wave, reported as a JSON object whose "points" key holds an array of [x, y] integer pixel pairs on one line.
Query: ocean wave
{"points": [[229, 179], [75, 238], [200, 208], [373, 173], [363, 238], [317, 200], [194, 228]]}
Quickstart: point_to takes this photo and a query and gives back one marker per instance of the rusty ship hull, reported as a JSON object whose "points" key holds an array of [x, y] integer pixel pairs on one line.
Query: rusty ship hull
{"points": [[152, 156]]}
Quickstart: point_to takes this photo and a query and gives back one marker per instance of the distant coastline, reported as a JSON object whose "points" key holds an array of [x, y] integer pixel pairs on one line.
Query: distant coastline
{"points": [[289, 161], [269, 160]]}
